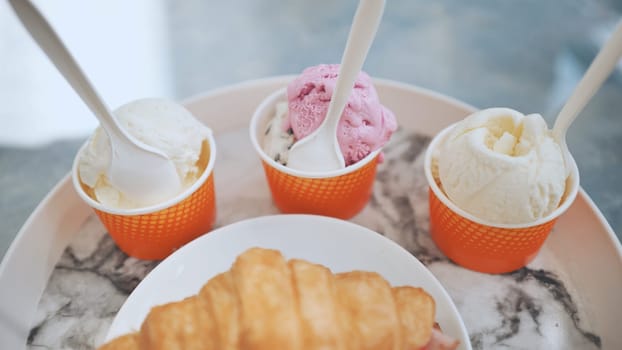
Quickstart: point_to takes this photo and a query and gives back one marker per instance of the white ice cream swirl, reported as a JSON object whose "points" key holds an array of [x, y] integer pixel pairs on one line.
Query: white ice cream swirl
{"points": [[503, 167], [159, 123]]}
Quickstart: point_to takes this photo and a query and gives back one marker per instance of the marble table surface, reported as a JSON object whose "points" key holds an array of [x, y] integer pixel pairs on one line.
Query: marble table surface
{"points": [[535, 307]]}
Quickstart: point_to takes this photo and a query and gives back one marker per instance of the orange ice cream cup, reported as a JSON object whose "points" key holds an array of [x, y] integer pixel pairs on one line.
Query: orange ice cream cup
{"points": [[480, 245], [154, 232], [341, 194]]}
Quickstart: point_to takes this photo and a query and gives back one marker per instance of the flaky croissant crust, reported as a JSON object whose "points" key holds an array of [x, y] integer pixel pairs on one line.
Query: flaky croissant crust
{"points": [[267, 302]]}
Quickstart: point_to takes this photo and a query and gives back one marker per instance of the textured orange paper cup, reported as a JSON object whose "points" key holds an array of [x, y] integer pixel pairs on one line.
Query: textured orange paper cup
{"points": [[153, 233], [482, 246], [341, 194]]}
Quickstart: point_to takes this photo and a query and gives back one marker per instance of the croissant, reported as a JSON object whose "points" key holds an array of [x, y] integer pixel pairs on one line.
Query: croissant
{"points": [[267, 302]]}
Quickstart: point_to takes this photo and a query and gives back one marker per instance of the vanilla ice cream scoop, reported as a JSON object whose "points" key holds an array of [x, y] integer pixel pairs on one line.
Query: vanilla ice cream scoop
{"points": [[502, 166], [159, 123]]}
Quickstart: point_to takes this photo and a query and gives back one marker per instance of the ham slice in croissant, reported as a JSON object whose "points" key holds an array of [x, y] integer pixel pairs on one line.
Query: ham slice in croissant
{"points": [[267, 302]]}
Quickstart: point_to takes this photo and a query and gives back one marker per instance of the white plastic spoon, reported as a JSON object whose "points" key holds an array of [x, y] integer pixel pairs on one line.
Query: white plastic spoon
{"points": [[320, 150], [139, 171], [596, 74]]}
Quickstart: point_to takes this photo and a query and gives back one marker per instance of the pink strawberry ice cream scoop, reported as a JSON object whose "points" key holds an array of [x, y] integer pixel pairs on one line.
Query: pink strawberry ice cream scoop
{"points": [[365, 125]]}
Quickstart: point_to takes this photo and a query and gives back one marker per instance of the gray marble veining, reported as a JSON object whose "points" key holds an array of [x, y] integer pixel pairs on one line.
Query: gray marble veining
{"points": [[532, 308]]}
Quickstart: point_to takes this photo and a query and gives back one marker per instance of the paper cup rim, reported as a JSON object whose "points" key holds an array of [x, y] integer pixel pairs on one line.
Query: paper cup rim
{"points": [[269, 101], [568, 198], [75, 179]]}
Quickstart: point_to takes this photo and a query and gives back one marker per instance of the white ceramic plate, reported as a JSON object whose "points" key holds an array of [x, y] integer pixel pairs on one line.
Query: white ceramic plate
{"points": [[337, 244], [582, 245]]}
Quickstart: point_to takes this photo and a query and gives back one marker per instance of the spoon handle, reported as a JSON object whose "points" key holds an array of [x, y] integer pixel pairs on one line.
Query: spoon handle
{"points": [[364, 25], [50, 43], [594, 77]]}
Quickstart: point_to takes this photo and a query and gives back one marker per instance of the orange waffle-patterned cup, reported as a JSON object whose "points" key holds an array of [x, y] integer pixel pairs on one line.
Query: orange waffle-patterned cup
{"points": [[341, 194], [480, 245], [154, 232]]}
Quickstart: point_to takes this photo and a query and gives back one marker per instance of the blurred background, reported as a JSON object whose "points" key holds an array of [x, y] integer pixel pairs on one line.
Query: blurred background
{"points": [[527, 55]]}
